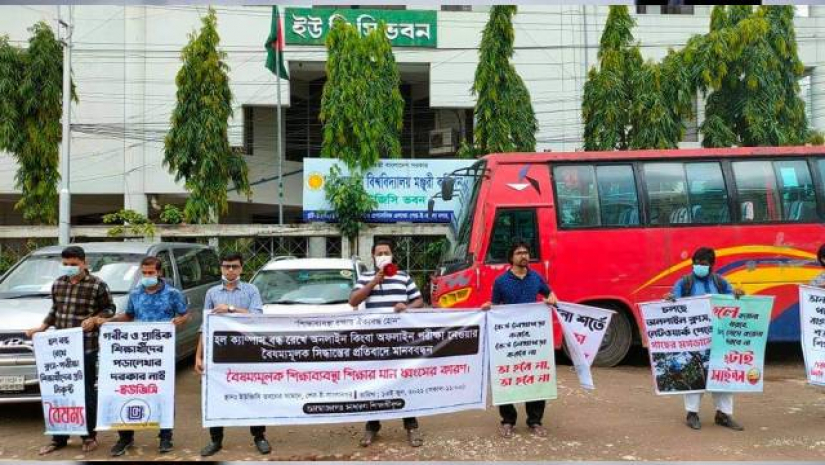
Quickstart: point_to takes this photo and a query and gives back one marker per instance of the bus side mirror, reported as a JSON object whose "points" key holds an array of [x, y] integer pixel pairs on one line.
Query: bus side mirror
{"points": [[447, 187], [430, 206]]}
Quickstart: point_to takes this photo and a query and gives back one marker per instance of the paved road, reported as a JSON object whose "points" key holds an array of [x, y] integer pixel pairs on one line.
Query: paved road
{"points": [[621, 420]]}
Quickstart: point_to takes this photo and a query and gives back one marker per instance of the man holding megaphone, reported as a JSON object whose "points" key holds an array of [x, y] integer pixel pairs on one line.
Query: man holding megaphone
{"points": [[387, 290]]}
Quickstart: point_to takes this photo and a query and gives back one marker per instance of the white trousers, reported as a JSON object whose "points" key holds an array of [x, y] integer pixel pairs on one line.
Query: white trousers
{"points": [[723, 401]]}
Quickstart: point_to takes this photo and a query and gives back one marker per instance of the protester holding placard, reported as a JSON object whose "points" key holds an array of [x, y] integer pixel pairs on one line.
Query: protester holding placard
{"points": [[521, 285], [702, 281], [78, 298], [387, 290], [153, 300], [231, 296], [819, 281]]}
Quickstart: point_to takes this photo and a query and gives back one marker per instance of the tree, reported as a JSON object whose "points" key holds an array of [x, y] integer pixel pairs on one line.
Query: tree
{"points": [[361, 107], [505, 120], [31, 105], [758, 103], [629, 103], [363, 113], [632, 104], [197, 145]]}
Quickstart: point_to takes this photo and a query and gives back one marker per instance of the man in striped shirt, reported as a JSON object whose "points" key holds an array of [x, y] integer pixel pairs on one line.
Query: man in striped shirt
{"points": [[383, 293]]}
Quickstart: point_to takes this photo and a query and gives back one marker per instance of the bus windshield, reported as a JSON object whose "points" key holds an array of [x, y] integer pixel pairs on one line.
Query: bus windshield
{"points": [[465, 199]]}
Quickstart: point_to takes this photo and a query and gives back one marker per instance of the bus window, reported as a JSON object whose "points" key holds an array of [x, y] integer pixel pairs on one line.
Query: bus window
{"points": [[666, 192], [756, 189], [578, 199], [511, 225], [796, 189], [707, 193], [617, 194]]}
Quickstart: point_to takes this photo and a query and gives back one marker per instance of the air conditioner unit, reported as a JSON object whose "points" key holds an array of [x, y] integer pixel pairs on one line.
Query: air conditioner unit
{"points": [[443, 141]]}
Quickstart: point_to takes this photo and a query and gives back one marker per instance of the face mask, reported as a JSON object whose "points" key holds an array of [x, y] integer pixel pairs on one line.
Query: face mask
{"points": [[382, 261], [701, 270], [69, 270], [230, 281], [149, 282]]}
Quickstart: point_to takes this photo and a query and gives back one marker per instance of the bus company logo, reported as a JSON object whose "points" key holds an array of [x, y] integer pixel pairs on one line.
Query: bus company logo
{"points": [[135, 411], [522, 177]]}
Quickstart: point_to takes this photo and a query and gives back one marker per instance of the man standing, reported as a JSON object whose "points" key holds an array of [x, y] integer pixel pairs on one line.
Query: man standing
{"points": [[152, 301], [521, 285], [78, 298], [703, 281], [382, 293], [232, 296]]}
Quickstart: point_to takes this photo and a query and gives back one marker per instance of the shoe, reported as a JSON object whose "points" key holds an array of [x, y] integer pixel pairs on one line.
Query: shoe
{"points": [[211, 449], [693, 420], [165, 446], [263, 446], [120, 447], [538, 431], [723, 419], [506, 430], [414, 437], [368, 437]]}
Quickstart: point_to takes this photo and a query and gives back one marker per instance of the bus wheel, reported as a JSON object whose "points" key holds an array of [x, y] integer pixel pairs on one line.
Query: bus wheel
{"points": [[617, 340]]}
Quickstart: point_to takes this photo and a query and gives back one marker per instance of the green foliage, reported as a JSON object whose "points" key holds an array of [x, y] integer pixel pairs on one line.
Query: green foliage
{"points": [[171, 215], [757, 102], [629, 103], [362, 109], [349, 200], [31, 99], [197, 145], [505, 120], [129, 222]]}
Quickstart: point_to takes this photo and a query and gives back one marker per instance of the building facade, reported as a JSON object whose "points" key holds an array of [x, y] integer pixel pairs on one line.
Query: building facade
{"points": [[125, 59]]}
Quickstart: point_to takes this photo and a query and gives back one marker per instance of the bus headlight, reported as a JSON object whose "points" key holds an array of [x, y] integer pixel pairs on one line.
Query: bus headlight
{"points": [[454, 297]]}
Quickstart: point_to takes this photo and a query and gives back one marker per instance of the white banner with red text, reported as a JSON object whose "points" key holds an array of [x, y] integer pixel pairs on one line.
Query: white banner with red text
{"points": [[584, 328], [136, 382], [279, 370], [61, 371]]}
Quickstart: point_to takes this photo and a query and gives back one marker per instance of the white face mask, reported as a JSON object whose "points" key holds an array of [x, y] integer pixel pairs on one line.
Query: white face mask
{"points": [[382, 261]]}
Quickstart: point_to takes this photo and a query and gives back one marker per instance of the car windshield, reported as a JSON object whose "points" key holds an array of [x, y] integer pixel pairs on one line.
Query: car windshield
{"points": [[318, 287], [35, 275]]}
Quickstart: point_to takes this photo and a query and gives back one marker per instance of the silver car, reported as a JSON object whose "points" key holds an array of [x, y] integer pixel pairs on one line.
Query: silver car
{"points": [[25, 298]]}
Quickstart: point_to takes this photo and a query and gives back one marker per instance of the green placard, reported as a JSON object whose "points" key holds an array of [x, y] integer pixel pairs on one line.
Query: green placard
{"points": [[405, 28]]}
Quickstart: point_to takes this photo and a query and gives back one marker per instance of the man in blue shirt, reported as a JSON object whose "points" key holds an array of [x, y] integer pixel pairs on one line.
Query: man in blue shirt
{"points": [[703, 281], [521, 285], [231, 296], [153, 300]]}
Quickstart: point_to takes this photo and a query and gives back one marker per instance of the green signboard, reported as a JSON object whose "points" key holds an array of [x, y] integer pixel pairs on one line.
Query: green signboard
{"points": [[405, 28]]}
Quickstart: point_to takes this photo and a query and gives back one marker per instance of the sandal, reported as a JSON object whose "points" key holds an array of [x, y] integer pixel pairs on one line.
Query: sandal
{"points": [[89, 444], [50, 447]]}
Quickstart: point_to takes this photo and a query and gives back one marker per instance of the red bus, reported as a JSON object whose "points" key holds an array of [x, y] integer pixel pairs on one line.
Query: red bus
{"points": [[612, 229]]}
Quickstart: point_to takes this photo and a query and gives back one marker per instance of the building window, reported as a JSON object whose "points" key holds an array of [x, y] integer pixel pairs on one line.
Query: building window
{"points": [[248, 130], [664, 9], [456, 8], [677, 10], [692, 125], [806, 93]]}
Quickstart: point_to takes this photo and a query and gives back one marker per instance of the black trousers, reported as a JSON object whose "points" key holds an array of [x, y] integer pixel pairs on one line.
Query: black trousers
{"points": [[128, 434], [89, 379], [409, 423], [216, 433], [535, 412]]}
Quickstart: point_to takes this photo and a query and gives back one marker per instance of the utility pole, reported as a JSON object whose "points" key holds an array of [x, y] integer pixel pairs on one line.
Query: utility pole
{"points": [[64, 234]]}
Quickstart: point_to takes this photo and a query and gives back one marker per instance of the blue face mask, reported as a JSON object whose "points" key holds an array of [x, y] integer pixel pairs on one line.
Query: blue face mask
{"points": [[69, 270], [149, 281], [701, 270]]}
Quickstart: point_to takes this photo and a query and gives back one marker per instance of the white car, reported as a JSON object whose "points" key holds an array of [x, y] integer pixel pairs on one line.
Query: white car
{"points": [[291, 286]]}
